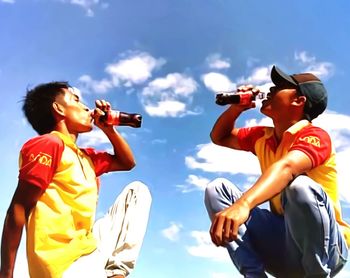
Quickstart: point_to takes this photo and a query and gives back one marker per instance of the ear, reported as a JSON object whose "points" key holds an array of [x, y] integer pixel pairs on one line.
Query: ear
{"points": [[58, 108], [299, 100]]}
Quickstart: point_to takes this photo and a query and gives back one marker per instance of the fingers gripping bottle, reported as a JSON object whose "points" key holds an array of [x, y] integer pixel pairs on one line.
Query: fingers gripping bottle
{"points": [[118, 118], [246, 98]]}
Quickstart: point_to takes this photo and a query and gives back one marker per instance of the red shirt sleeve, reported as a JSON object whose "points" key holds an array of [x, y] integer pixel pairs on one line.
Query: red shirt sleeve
{"points": [[39, 158], [315, 143], [101, 160], [247, 137]]}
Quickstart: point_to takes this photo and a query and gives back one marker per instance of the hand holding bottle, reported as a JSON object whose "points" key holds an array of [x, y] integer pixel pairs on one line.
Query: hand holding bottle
{"points": [[103, 114]]}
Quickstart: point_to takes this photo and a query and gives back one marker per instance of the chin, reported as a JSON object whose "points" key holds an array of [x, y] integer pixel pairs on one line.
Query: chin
{"points": [[85, 129]]}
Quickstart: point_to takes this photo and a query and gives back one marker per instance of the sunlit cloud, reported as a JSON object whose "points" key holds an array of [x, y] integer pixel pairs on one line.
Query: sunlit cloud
{"points": [[193, 183], [204, 248], [259, 76], [172, 232], [169, 96], [216, 82], [215, 61], [320, 69], [213, 158], [132, 68]]}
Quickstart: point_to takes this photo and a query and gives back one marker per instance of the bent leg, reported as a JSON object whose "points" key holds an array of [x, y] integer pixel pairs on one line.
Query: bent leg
{"points": [[316, 246], [120, 232], [219, 195]]}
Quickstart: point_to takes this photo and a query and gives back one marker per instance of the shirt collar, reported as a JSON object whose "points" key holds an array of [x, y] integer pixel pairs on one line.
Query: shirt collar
{"points": [[67, 140]]}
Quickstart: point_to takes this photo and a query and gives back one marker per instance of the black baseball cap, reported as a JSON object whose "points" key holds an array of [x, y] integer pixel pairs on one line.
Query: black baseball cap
{"points": [[308, 85]]}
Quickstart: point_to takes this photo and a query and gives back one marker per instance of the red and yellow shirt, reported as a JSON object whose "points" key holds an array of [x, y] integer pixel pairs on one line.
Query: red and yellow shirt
{"points": [[59, 226], [311, 140]]}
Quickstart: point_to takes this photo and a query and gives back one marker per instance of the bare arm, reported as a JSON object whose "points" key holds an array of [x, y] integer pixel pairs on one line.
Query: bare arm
{"points": [[23, 201], [123, 156], [226, 223], [224, 132]]}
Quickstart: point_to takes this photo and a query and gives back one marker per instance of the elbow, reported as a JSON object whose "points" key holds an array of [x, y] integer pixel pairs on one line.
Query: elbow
{"points": [[130, 165], [215, 139]]}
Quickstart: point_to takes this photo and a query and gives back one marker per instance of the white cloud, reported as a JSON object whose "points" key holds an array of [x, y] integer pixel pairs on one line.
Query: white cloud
{"points": [[194, 182], [8, 1], [132, 68], [213, 158], [169, 96], [87, 5], [204, 248], [98, 86], [215, 61], [135, 68], [172, 232], [320, 69], [218, 82], [259, 76], [93, 138]]}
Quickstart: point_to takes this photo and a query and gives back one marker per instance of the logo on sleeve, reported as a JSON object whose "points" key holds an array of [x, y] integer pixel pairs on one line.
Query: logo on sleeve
{"points": [[313, 140], [42, 158]]}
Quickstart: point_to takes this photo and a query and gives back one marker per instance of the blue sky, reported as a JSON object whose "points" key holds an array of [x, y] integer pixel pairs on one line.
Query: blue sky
{"points": [[166, 59]]}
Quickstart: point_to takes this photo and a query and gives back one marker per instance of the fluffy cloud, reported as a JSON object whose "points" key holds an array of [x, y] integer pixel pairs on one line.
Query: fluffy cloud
{"points": [[218, 82], [169, 96], [213, 158], [132, 68], [215, 61], [259, 76], [193, 183], [172, 232], [135, 68], [320, 69], [206, 249]]}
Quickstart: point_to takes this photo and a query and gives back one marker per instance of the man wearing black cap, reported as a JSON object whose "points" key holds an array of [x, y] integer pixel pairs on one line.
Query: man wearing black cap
{"points": [[303, 234]]}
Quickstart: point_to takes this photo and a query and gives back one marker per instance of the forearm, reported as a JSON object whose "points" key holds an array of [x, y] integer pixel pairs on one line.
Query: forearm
{"points": [[224, 128], [272, 182], [11, 237], [121, 148]]}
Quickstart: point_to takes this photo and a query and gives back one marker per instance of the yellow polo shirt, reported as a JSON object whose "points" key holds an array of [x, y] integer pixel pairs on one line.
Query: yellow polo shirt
{"points": [[303, 136], [59, 228]]}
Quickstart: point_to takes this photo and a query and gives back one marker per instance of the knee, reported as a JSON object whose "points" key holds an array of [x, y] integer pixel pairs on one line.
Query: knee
{"points": [[140, 190], [221, 188], [214, 187], [301, 191]]}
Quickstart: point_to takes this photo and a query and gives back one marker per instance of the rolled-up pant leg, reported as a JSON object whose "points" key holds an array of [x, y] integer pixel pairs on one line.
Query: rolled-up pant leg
{"points": [[120, 232], [316, 247]]}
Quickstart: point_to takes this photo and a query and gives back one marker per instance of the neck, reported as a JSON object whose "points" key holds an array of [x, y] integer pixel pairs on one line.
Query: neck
{"points": [[62, 128], [281, 127]]}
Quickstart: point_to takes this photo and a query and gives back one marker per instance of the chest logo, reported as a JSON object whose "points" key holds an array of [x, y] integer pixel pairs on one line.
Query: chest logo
{"points": [[42, 158], [313, 140]]}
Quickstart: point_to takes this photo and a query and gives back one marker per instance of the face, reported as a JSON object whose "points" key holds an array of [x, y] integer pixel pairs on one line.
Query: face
{"points": [[77, 116], [278, 102]]}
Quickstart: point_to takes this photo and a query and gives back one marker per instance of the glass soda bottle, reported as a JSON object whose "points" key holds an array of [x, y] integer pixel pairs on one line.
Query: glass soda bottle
{"points": [[244, 98], [118, 118]]}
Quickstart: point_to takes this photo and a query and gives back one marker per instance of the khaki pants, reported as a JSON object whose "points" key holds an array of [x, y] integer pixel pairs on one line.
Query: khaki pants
{"points": [[119, 236]]}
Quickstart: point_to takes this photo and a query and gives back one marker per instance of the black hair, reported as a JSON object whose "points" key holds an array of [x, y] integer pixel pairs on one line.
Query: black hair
{"points": [[38, 102]]}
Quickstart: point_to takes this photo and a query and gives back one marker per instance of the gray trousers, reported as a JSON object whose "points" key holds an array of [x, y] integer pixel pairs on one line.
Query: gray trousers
{"points": [[305, 242]]}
